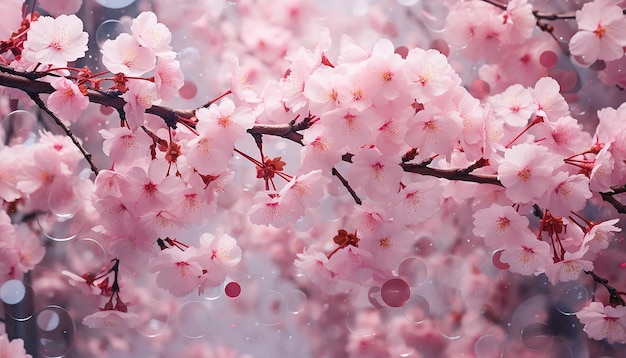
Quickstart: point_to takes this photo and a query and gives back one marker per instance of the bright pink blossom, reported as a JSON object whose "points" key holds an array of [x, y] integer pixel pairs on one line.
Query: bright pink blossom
{"points": [[151, 34], [11, 11], [600, 235], [177, 271], [500, 225], [57, 41], [168, 78], [13, 348], [526, 171], [111, 320], [601, 34], [219, 255], [123, 145], [527, 256], [125, 55], [604, 322], [570, 268], [67, 101], [140, 96]]}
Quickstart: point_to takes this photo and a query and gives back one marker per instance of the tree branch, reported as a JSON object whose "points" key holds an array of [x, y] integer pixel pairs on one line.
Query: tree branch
{"points": [[614, 295], [35, 97], [538, 15], [345, 183]]}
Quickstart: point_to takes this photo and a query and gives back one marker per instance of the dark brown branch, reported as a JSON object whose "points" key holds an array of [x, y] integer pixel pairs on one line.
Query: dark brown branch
{"points": [[614, 295], [35, 97], [608, 197], [450, 174], [538, 15], [347, 185]]}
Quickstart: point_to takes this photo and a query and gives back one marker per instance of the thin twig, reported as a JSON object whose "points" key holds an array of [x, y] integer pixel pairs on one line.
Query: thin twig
{"points": [[35, 97], [615, 297], [345, 183], [621, 208]]}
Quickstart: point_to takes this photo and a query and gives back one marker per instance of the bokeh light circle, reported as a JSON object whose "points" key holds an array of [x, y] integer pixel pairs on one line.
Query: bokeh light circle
{"points": [[395, 292], [56, 331]]}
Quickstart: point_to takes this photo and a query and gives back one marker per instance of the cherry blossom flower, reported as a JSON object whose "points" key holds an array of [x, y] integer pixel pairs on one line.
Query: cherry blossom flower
{"points": [[526, 171], [151, 190], [319, 151], [140, 96], [28, 249], [84, 286], [123, 146], [604, 322], [514, 105], [111, 320], [376, 174], [125, 55], [417, 202], [219, 255], [349, 126], [11, 11], [600, 235], [225, 120], [304, 190], [168, 78], [601, 178], [8, 175], [351, 263], [384, 68], [177, 271], [549, 103], [569, 194], [519, 21], [67, 101], [600, 33], [322, 89], [527, 256], [271, 210], [570, 268], [56, 41], [314, 266], [42, 171], [500, 225], [151, 34], [13, 348], [207, 153], [434, 131], [431, 72]]}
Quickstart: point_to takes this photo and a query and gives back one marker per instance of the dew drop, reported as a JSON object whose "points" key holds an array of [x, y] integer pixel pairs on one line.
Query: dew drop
{"points": [[416, 310], [232, 289], [106, 110], [56, 331], [194, 319], [496, 259], [12, 292], [154, 318], [570, 297], [115, 4], [395, 292], [86, 255], [19, 127], [413, 270], [488, 346], [109, 30], [536, 336], [270, 307], [548, 59], [188, 90], [63, 203]]}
